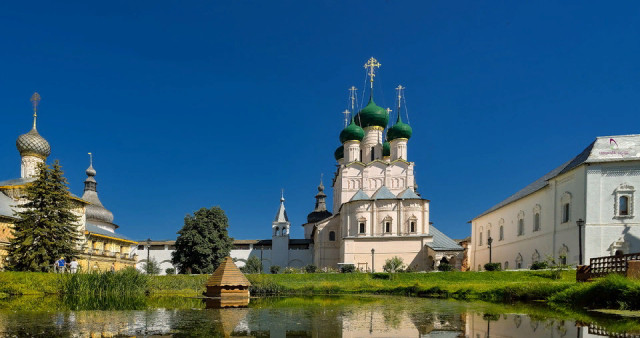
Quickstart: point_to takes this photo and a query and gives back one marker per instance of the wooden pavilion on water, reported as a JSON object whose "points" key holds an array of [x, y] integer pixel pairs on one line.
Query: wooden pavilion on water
{"points": [[228, 281]]}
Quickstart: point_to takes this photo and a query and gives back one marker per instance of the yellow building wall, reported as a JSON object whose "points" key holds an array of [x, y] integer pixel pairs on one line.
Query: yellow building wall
{"points": [[5, 237]]}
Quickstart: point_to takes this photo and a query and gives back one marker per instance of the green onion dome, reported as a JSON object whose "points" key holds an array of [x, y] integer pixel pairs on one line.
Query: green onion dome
{"points": [[386, 149], [339, 153], [399, 130], [352, 132], [372, 115]]}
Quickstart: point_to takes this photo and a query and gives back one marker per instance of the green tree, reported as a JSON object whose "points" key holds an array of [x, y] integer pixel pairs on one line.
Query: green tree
{"points": [[203, 242], [393, 264], [151, 267], [253, 265], [46, 228]]}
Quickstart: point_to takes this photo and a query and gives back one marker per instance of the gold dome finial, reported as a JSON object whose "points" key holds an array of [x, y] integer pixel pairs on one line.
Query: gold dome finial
{"points": [[35, 99], [371, 65]]}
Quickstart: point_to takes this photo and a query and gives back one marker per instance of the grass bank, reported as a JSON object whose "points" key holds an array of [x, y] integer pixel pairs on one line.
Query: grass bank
{"points": [[613, 292]]}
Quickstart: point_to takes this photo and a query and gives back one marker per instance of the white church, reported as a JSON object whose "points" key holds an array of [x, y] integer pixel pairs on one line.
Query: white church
{"points": [[595, 189], [377, 211]]}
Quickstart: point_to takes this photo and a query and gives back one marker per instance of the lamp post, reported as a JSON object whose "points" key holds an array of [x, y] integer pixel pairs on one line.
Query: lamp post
{"points": [[373, 251], [148, 250], [580, 224], [489, 241]]}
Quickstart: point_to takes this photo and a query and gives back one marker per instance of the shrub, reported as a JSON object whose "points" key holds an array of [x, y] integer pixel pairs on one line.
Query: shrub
{"points": [[253, 265], [393, 264], [492, 267], [151, 267], [539, 265], [310, 268], [347, 268], [170, 271], [288, 270], [445, 267], [275, 269]]}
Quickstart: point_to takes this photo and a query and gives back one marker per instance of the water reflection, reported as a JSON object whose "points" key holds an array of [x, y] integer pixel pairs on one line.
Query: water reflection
{"points": [[298, 317]]}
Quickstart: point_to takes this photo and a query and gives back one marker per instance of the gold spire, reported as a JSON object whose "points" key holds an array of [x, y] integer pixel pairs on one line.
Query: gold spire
{"points": [[352, 97], [346, 113], [399, 89], [371, 65], [35, 99], [90, 159]]}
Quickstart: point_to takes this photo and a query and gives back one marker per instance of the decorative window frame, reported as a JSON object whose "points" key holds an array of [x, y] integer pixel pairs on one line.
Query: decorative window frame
{"points": [[385, 220], [536, 211], [519, 261], [535, 257], [565, 199], [480, 236], [413, 219], [501, 229], [625, 190], [563, 251], [362, 220], [520, 229]]}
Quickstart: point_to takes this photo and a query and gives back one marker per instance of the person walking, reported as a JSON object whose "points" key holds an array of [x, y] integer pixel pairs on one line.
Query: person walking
{"points": [[113, 267], [61, 265], [73, 266]]}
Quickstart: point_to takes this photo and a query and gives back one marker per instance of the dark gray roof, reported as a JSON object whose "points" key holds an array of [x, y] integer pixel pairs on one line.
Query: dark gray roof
{"points": [[544, 180], [442, 242], [99, 231], [6, 204], [17, 181]]}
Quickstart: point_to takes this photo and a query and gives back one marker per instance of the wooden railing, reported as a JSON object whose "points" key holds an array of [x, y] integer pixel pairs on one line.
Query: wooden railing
{"points": [[602, 266]]}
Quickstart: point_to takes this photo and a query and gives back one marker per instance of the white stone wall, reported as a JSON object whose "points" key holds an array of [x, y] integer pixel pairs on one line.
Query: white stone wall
{"points": [[161, 256]]}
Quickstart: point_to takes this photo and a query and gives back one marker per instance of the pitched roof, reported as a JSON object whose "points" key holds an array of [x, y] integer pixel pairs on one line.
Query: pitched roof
{"points": [[442, 242], [281, 216], [360, 196], [17, 181], [544, 180], [384, 194], [6, 204], [228, 274], [409, 194]]}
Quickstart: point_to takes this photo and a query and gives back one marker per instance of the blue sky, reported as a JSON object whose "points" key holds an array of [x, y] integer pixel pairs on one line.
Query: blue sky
{"points": [[199, 103]]}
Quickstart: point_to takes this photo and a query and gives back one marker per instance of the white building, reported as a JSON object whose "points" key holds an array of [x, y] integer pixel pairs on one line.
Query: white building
{"points": [[539, 221], [280, 250], [378, 213]]}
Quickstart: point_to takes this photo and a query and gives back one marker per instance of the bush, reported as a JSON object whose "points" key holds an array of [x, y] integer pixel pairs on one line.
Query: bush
{"points": [[492, 267], [253, 265], [310, 268], [275, 269], [290, 270], [393, 264], [445, 267], [151, 267], [170, 271], [539, 265], [347, 268]]}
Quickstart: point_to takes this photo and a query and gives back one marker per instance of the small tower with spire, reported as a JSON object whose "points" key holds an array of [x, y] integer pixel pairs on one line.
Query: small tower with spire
{"points": [[280, 237], [400, 133], [95, 212], [33, 148], [319, 213]]}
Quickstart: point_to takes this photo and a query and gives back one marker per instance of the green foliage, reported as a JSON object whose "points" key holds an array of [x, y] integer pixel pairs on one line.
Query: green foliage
{"points": [[492, 267], [539, 266], [203, 242], [126, 282], [556, 267], [170, 271], [310, 268], [253, 265], [347, 268], [611, 292], [275, 269], [393, 264], [445, 267], [46, 229], [151, 267], [289, 270]]}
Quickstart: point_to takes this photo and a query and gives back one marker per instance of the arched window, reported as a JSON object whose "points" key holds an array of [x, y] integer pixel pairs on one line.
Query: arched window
{"points": [[506, 265], [520, 227], [412, 226], [565, 201], [624, 206], [536, 221], [519, 261], [480, 238], [501, 234], [362, 227], [387, 226], [373, 153], [332, 236]]}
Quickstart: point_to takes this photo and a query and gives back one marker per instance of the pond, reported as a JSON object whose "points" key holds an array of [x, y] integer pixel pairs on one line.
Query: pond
{"points": [[317, 316]]}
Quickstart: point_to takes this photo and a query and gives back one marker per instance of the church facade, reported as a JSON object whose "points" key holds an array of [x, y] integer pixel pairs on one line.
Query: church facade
{"points": [[584, 208], [100, 246], [378, 213]]}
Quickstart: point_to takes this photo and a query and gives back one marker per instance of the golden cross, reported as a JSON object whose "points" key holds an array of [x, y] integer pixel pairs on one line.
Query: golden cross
{"points": [[352, 96], [35, 99], [371, 66], [346, 113], [400, 88]]}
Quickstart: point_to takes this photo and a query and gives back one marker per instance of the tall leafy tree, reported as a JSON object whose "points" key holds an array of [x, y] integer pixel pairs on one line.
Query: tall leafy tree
{"points": [[46, 228], [203, 242]]}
